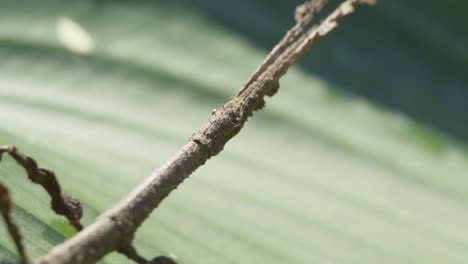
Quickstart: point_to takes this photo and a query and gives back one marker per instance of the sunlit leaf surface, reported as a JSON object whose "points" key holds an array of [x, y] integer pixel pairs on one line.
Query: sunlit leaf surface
{"points": [[343, 166]]}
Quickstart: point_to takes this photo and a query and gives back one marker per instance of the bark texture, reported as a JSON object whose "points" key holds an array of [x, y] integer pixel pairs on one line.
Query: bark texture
{"points": [[114, 230]]}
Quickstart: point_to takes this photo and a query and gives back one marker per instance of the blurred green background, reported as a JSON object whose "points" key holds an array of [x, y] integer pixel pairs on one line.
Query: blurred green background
{"points": [[360, 158]]}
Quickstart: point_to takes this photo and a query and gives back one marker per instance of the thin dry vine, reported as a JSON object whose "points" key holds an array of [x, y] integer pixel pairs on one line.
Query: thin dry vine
{"points": [[61, 203], [5, 210]]}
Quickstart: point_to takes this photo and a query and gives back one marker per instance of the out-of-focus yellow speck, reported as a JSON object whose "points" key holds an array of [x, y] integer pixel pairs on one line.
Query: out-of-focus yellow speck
{"points": [[74, 37]]}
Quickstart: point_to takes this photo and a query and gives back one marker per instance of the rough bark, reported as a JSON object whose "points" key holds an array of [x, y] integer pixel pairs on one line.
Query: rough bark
{"points": [[114, 230]]}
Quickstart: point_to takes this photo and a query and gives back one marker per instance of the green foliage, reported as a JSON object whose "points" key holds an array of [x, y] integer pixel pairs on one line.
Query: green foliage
{"points": [[319, 176]]}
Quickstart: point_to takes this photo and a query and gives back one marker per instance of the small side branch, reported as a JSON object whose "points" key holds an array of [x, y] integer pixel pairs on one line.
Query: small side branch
{"points": [[162, 260], [303, 15], [5, 210], [62, 203], [130, 252]]}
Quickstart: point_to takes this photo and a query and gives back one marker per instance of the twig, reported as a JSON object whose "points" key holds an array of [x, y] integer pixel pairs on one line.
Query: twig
{"points": [[303, 15], [114, 229], [131, 253], [5, 209], [61, 203]]}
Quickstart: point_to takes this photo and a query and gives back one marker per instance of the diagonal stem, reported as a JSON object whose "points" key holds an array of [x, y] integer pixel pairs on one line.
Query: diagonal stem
{"points": [[115, 228]]}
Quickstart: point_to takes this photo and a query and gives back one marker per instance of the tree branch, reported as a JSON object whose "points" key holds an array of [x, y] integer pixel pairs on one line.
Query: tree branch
{"points": [[114, 230]]}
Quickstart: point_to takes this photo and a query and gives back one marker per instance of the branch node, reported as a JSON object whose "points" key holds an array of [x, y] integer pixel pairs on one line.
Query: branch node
{"points": [[130, 252], [271, 87]]}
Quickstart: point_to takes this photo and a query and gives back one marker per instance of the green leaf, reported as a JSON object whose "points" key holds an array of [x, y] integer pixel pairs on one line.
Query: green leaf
{"points": [[360, 158]]}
